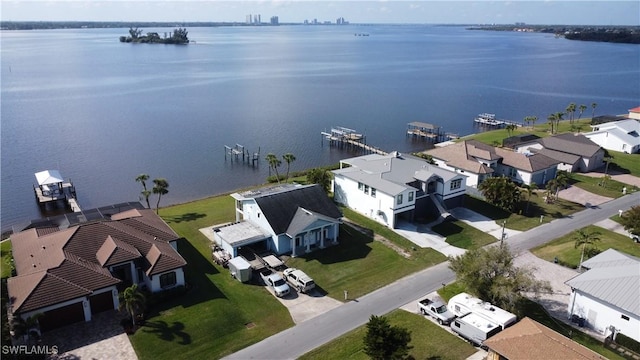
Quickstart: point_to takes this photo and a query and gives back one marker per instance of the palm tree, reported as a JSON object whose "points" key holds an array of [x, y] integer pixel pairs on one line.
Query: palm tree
{"points": [[160, 186], [571, 110], [593, 110], [142, 178], [551, 121], [562, 180], [25, 329], [321, 177], [552, 190], [289, 158], [582, 108], [133, 301], [533, 121], [510, 128], [558, 117], [274, 163], [584, 238], [530, 120]]}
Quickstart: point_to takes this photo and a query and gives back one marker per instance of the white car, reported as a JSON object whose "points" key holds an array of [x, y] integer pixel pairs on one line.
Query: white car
{"points": [[299, 280], [277, 283]]}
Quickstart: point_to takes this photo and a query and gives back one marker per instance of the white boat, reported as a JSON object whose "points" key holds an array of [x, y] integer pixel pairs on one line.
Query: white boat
{"points": [[487, 119]]}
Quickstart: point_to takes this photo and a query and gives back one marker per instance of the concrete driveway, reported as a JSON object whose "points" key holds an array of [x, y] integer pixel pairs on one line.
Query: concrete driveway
{"points": [[303, 307], [579, 196], [481, 222], [422, 236]]}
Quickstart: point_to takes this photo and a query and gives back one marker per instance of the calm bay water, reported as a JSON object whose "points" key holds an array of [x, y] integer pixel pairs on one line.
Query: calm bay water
{"points": [[102, 111]]}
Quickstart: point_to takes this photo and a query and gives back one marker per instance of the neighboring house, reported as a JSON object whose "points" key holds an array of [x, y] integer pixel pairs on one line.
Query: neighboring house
{"points": [[634, 113], [282, 219], [68, 274], [528, 339], [479, 161], [623, 135], [574, 152], [388, 187], [513, 141], [607, 295]]}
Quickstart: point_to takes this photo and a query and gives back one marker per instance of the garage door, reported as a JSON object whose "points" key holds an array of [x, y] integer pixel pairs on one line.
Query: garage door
{"points": [[60, 317], [101, 302]]}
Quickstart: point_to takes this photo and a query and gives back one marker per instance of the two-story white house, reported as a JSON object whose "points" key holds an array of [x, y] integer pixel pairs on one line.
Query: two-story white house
{"points": [[623, 135], [386, 188], [283, 219]]}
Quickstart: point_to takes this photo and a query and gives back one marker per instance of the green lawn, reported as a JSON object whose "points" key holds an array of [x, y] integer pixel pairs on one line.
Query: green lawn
{"points": [[568, 255], [525, 218], [429, 341], [5, 253], [218, 315], [611, 188], [462, 235], [625, 163], [360, 265], [541, 128]]}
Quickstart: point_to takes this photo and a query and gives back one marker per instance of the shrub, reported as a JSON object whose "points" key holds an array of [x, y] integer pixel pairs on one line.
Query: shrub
{"points": [[629, 343]]}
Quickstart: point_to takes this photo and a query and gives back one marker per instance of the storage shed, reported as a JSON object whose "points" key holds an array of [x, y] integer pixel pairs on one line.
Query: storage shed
{"points": [[240, 269]]}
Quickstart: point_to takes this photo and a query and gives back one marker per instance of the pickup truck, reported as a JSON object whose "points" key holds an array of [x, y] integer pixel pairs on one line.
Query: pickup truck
{"points": [[436, 309], [276, 282]]}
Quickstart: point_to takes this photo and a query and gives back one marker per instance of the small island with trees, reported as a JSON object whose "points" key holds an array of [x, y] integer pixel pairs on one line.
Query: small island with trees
{"points": [[179, 37]]}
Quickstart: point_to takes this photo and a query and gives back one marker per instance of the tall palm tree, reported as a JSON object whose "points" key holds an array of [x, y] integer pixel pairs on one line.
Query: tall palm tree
{"points": [[584, 238], [132, 300], [558, 117], [510, 128], [533, 121], [142, 178], [593, 110], [582, 108], [571, 110], [530, 190], [551, 121], [289, 158], [160, 187], [562, 180], [274, 163]]}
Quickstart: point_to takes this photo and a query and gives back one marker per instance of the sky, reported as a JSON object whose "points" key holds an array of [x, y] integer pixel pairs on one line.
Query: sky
{"points": [[567, 12]]}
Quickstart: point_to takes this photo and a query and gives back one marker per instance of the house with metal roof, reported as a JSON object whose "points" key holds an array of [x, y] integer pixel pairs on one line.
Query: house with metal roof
{"points": [[623, 135], [70, 273], [479, 161], [574, 152], [284, 219], [388, 187], [607, 295], [528, 339]]}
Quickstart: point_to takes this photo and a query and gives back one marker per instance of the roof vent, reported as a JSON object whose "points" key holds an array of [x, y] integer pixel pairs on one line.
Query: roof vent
{"points": [[43, 247], [34, 265]]}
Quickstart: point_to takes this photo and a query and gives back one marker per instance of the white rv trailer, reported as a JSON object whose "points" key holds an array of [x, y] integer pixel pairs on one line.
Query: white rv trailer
{"points": [[464, 303], [475, 328]]}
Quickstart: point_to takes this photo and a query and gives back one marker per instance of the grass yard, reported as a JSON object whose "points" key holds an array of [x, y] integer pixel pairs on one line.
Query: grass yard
{"points": [[360, 265], [612, 188], [218, 315], [516, 221], [462, 235], [626, 163], [569, 256], [429, 341], [5, 253], [495, 137]]}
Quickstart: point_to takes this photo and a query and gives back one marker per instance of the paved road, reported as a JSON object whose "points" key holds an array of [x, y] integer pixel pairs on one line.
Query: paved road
{"points": [[302, 338]]}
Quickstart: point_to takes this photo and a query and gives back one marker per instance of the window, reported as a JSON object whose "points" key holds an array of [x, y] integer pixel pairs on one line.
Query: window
{"points": [[366, 189], [411, 196], [373, 192], [168, 279], [456, 184], [360, 186], [399, 199], [625, 317]]}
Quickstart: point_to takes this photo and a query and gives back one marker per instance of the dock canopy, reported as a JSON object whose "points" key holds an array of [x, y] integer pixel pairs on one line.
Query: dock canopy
{"points": [[49, 177]]}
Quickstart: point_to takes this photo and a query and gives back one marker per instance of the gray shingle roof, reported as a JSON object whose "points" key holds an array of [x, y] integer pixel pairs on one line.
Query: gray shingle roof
{"points": [[280, 208], [613, 278], [577, 144]]}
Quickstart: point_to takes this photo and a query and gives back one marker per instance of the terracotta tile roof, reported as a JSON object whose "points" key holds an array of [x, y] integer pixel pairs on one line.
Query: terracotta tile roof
{"points": [[114, 251], [53, 267], [529, 339], [635, 109]]}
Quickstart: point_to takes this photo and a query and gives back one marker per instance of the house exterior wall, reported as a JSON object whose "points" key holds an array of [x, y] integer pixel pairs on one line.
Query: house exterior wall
{"points": [[593, 162], [86, 306], [379, 208], [155, 280], [600, 316], [318, 235], [611, 142], [473, 179]]}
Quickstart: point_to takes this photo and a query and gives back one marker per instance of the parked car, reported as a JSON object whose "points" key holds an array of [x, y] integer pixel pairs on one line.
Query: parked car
{"points": [[299, 280], [436, 309], [276, 282]]}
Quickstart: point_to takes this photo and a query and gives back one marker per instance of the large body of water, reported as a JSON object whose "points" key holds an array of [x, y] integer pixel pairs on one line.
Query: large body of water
{"points": [[103, 112]]}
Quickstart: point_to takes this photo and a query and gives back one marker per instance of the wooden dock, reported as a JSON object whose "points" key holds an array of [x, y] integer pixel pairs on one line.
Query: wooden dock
{"points": [[425, 131], [66, 194], [239, 150], [487, 119], [345, 137]]}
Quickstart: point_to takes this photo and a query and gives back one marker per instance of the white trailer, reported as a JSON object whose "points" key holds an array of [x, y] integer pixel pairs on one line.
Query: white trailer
{"points": [[475, 328], [464, 303], [240, 268]]}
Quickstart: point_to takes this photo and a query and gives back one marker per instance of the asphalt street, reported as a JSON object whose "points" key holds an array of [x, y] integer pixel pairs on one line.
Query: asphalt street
{"points": [[308, 335]]}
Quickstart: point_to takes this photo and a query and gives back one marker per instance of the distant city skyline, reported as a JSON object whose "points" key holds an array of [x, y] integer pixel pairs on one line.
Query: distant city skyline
{"points": [[550, 12]]}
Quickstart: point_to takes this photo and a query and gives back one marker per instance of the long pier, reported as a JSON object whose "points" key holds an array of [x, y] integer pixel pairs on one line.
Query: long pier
{"points": [[491, 120], [341, 136]]}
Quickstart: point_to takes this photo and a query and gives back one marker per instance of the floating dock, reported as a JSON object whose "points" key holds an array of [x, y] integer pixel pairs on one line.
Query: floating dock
{"points": [[488, 119], [345, 137], [52, 187]]}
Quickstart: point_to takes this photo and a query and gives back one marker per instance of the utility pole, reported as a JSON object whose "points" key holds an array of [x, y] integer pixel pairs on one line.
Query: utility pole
{"points": [[504, 222]]}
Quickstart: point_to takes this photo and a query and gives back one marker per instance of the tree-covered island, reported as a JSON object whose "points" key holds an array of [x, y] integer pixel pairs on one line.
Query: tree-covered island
{"points": [[135, 35]]}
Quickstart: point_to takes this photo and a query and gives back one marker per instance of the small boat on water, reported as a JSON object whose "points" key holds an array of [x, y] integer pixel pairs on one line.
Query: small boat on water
{"points": [[487, 119]]}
